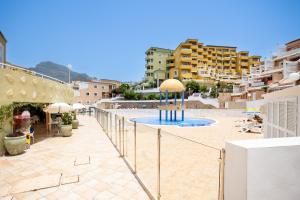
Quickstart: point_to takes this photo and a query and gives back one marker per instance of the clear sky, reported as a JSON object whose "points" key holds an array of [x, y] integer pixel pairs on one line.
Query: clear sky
{"points": [[108, 38]]}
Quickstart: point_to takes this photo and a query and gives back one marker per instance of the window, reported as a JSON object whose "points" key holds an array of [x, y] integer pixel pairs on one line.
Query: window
{"points": [[95, 94], [87, 94], [95, 86], [159, 62], [102, 87]]}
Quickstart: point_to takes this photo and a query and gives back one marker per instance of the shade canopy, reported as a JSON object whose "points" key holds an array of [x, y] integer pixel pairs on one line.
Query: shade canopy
{"points": [[78, 106], [58, 108], [171, 85]]}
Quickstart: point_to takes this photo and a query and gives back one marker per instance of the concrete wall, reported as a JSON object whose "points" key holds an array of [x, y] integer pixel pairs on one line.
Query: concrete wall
{"points": [[235, 105], [262, 169]]}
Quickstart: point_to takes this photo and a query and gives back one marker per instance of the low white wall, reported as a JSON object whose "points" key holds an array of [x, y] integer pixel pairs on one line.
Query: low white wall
{"points": [[262, 169]]}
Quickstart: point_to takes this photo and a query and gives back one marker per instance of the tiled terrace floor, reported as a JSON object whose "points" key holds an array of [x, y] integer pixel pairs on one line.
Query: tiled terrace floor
{"points": [[106, 177]]}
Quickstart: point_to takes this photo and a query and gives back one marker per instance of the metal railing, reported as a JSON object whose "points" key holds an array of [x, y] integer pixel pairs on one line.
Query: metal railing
{"points": [[166, 165], [33, 73]]}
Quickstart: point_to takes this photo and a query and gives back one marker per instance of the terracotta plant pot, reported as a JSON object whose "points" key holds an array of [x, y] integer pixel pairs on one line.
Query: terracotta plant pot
{"points": [[15, 145], [75, 123], [66, 130]]}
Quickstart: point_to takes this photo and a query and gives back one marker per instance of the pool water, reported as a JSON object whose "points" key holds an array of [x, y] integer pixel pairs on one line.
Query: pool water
{"points": [[188, 122]]}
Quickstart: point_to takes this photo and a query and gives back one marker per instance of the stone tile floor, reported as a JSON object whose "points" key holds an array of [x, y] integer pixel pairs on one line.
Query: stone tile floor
{"points": [[105, 177]]}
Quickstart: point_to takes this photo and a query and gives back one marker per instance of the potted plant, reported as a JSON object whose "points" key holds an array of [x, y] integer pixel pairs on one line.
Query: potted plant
{"points": [[14, 143], [75, 121], [66, 127]]}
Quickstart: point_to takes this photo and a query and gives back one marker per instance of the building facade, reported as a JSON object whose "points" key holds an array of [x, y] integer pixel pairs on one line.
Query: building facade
{"points": [[156, 64], [90, 92], [193, 60], [274, 73], [2, 48]]}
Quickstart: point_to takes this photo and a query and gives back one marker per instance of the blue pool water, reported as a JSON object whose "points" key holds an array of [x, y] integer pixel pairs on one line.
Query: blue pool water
{"points": [[188, 122]]}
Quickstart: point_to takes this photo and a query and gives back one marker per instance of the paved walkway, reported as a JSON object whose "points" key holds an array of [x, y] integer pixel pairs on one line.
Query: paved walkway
{"points": [[57, 163]]}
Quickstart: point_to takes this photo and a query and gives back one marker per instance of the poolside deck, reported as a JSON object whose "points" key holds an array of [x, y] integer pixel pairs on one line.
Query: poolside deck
{"points": [[57, 163]]}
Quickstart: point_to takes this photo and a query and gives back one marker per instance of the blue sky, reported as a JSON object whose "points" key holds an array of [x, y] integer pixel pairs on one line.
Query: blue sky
{"points": [[108, 39]]}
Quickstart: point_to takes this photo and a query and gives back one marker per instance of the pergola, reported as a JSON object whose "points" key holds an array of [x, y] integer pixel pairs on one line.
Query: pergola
{"points": [[169, 86]]}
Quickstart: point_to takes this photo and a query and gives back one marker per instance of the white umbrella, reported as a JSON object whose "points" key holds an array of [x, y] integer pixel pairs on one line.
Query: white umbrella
{"points": [[58, 108], [78, 106]]}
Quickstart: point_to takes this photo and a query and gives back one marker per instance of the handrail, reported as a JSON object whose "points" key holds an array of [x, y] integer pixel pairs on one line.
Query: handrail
{"points": [[5, 65]]}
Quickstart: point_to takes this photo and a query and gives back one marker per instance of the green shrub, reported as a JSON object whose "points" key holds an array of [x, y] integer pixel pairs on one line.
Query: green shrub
{"points": [[67, 119], [214, 92], [192, 86], [129, 95]]}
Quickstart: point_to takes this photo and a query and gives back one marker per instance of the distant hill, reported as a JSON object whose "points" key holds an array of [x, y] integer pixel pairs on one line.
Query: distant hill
{"points": [[60, 72]]}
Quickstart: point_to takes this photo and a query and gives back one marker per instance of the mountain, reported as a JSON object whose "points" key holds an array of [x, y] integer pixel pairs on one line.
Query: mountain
{"points": [[60, 72]]}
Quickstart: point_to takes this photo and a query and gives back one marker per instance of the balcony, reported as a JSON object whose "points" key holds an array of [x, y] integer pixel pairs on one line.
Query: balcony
{"points": [[186, 51], [244, 57], [187, 75], [188, 67], [194, 54], [171, 58], [194, 70], [200, 50], [244, 64], [170, 65], [185, 59], [195, 62], [194, 47]]}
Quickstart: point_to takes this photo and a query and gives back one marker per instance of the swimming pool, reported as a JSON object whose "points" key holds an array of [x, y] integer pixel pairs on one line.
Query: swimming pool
{"points": [[188, 122]]}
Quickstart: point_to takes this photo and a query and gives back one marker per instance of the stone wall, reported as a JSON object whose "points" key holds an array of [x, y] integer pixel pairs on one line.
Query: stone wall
{"points": [[149, 105]]}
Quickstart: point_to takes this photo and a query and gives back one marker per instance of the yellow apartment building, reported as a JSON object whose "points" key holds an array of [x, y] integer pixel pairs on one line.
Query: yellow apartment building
{"points": [[156, 64], [193, 60]]}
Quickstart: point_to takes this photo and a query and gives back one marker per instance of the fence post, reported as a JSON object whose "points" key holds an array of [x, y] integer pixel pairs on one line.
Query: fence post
{"points": [[134, 146], [158, 163], [116, 128], [106, 124], [110, 124], [120, 150], [123, 134], [221, 174]]}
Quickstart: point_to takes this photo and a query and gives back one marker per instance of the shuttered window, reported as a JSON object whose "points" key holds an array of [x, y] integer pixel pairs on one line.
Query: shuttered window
{"points": [[281, 118]]}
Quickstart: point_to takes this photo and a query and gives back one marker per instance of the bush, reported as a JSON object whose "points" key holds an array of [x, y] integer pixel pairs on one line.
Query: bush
{"points": [[67, 119], [192, 86], [123, 88], [203, 88], [129, 95], [214, 92]]}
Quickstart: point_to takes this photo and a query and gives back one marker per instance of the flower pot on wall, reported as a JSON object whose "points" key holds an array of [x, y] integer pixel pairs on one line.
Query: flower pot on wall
{"points": [[15, 145], [75, 123], [66, 130]]}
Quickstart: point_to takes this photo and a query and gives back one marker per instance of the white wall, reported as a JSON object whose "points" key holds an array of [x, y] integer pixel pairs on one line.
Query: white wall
{"points": [[262, 169]]}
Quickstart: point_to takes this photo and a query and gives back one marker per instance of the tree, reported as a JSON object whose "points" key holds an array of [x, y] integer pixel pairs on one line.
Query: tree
{"points": [[203, 88], [192, 86], [123, 87], [129, 95], [214, 92]]}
